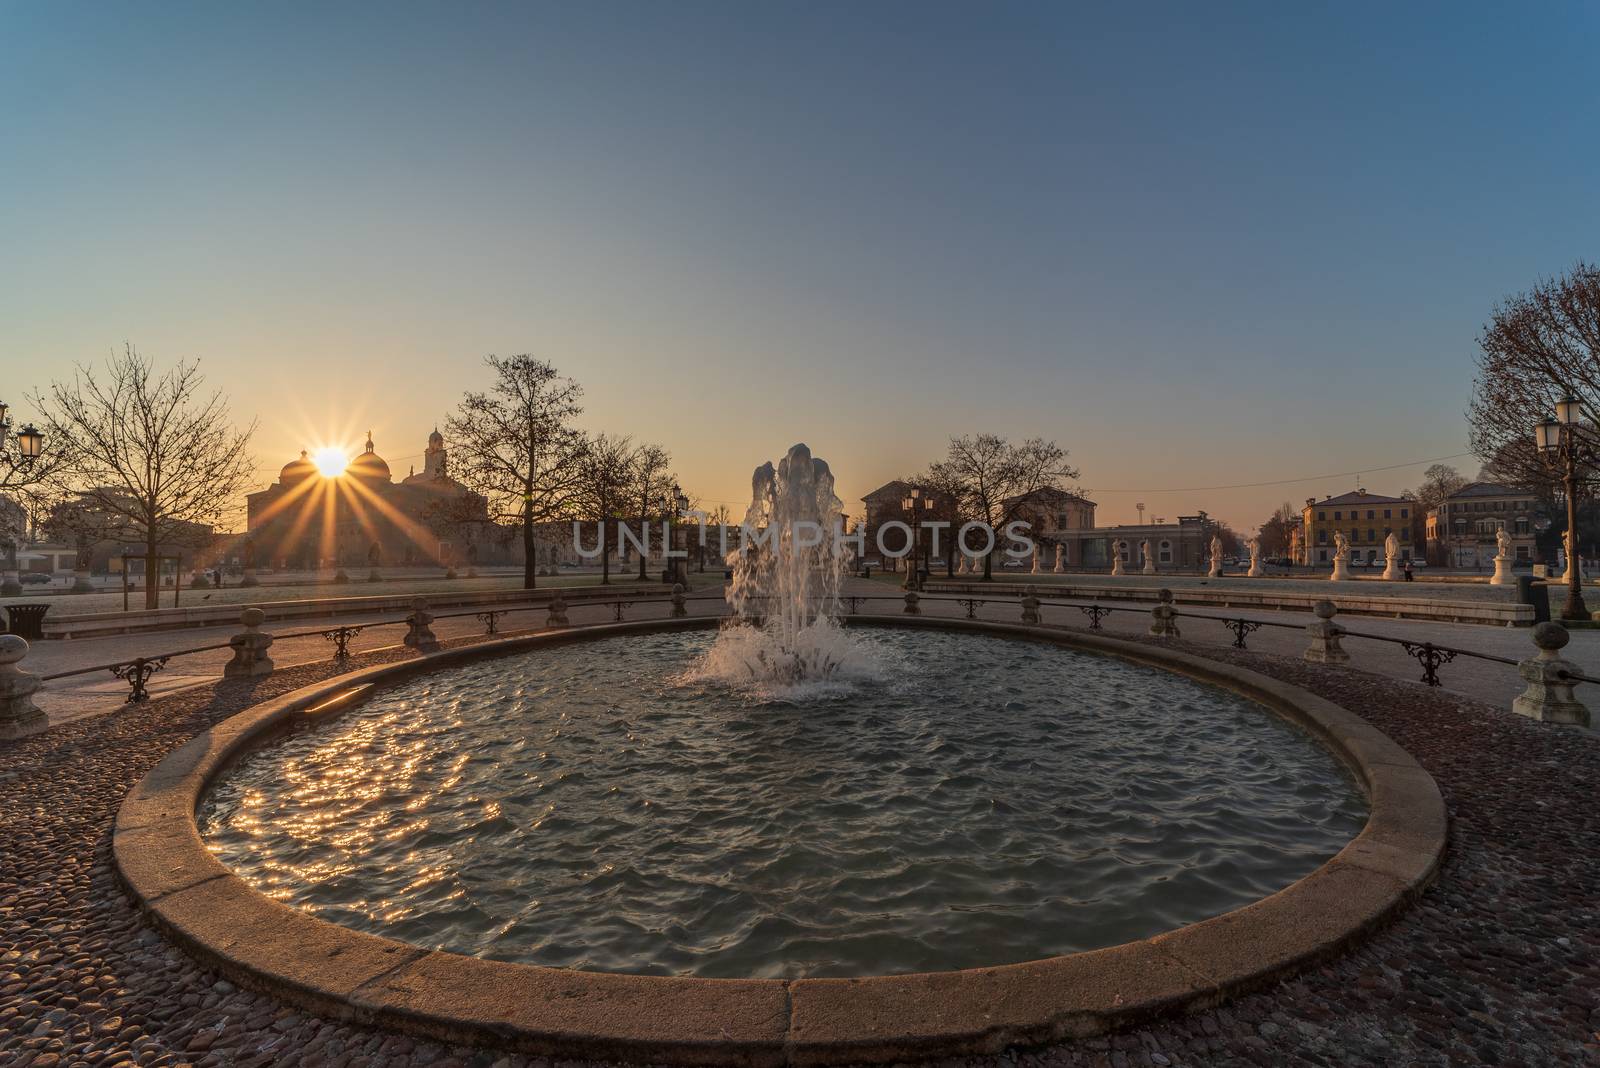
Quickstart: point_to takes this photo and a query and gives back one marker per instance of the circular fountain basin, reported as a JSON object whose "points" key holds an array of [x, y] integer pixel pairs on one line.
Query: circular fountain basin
{"points": [[980, 801], [344, 972]]}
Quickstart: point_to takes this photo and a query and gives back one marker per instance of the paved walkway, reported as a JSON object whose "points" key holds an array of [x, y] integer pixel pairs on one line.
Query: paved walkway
{"points": [[99, 692], [1497, 963]]}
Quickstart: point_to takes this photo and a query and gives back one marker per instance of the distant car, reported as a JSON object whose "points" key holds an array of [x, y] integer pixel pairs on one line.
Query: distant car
{"points": [[34, 578], [1419, 563], [1013, 565]]}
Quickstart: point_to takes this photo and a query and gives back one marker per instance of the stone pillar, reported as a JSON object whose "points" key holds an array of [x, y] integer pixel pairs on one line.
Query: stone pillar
{"points": [[1060, 568], [1164, 617], [1030, 606], [249, 578], [1502, 573], [419, 635], [249, 647], [679, 608], [1549, 695], [911, 603], [1325, 633], [19, 716], [10, 583], [1116, 561], [80, 581], [1341, 568], [558, 612], [374, 576], [1035, 569]]}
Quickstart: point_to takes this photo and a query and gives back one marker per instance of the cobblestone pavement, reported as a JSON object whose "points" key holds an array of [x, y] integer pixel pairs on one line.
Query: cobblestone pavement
{"points": [[1497, 963]]}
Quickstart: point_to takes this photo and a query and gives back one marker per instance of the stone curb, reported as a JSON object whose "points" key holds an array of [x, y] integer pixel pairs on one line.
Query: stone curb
{"points": [[348, 975]]}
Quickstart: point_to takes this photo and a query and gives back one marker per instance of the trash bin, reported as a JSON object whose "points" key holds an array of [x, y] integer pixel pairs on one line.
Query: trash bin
{"points": [[27, 620], [1538, 596]]}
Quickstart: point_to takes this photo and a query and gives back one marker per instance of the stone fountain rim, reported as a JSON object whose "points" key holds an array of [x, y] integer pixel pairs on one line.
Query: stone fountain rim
{"points": [[349, 975]]}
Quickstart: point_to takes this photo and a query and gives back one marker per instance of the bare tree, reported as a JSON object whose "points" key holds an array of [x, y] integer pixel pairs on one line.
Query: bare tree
{"points": [[148, 451], [1274, 534], [992, 476], [652, 478], [518, 448], [1438, 482], [605, 477], [1537, 347]]}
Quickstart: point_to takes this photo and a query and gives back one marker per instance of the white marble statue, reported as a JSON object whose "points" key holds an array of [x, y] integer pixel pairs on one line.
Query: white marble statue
{"points": [[1035, 569], [1117, 549], [1391, 558], [1254, 545], [1149, 557], [1061, 556], [1502, 559], [1216, 557], [1341, 557]]}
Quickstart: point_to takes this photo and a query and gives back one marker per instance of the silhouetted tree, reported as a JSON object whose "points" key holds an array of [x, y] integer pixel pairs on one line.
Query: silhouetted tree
{"points": [[1537, 347], [515, 444], [605, 477], [991, 476], [649, 486], [147, 451]]}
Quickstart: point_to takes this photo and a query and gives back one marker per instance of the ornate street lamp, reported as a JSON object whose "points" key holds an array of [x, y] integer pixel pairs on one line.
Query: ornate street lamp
{"points": [[913, 503], [30, 442], [1565, 444]]}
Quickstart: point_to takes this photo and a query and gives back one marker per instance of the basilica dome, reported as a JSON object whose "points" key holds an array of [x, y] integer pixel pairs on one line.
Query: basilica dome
{"points": [[369, 466], [297, 471]]}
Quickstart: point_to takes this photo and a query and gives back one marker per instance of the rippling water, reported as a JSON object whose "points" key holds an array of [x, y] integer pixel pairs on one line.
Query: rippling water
{"points": [[986, 801]]}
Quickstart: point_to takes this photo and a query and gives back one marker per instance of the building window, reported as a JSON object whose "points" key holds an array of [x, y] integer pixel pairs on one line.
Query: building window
{"points": [[1322, 539], [1338, 515], [1322, 555], [1371, 514], [1166, 552], [1321, 516], [1372, 535], [1386, 513]]}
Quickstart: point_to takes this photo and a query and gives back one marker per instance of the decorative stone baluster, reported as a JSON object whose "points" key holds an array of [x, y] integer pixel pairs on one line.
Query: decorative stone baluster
{"points": [[679, 607], [1164, 617], [1030, 606], [1325, 633], [558, 613], [911, 603], [419, 635], [19, 716], [1549, 695], [249, 647]]}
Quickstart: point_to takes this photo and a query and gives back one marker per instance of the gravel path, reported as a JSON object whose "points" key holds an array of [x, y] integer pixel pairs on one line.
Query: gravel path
{"points": [[1499, 963]]}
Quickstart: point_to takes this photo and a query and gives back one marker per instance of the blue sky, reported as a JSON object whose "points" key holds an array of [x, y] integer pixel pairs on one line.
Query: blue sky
{"points": [[1197, 245]]}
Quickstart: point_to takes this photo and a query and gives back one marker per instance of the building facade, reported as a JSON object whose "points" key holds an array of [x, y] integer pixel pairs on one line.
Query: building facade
{"points": [[364, 518], [1366, 520], [1462, 531]]}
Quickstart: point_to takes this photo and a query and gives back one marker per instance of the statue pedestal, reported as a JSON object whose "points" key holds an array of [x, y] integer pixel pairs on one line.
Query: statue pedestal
{"points": [[1341, 570], [1215, 572], [1391, 570], [1502, 572], [1255, 571]]}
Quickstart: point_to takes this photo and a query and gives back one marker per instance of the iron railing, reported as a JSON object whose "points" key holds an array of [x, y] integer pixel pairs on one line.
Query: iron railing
{"points": [[1431, 656]]}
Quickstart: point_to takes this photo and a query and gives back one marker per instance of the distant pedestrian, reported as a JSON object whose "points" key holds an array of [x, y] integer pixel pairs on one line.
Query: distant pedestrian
{"points": [[1410, 576]]}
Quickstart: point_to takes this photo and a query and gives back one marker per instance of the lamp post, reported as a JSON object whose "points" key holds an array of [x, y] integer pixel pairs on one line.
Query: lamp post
{"points": [[676, 506], [915, 503], [30, 444], [1564, 444]]}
